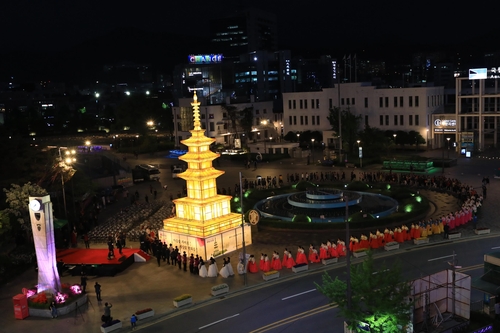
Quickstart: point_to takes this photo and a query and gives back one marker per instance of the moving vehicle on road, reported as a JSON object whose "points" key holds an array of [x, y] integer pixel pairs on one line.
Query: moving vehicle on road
{"points": [[145, 172]]}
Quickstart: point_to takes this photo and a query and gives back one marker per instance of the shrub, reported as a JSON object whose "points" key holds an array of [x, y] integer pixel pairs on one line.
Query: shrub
{"points": [[182, 297], [111, 323], [270, 273], [299, 265], [219, 287]]}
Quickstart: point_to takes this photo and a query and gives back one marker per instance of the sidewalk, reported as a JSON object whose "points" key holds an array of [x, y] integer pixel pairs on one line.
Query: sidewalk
{"points": [[145, 285]]}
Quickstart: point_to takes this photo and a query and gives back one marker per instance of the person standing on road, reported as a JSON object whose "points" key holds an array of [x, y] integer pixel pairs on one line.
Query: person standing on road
{"points": [[133, 321], [83, 283], [53, 309], [107, 312], [97, 288]]}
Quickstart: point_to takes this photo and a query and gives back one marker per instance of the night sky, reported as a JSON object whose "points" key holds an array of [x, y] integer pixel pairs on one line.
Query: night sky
{"points": [[44, 25]]}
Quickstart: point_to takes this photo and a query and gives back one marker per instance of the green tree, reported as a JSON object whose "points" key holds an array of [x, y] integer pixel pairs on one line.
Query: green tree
{"points": [[374, 141], [378, 297], [350, 124], [18, 199], [246, 121]]}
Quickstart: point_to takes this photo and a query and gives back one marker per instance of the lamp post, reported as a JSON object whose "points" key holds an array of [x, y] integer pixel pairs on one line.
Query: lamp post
{"points": [[360, 153], [271, 143], [442, 156], [427, 138], [312, 150], [348, 252], [448, 139], [243, 234], [69, 159]]}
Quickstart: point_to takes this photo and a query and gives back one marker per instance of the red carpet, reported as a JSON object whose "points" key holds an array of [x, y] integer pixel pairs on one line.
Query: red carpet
{"points": [[93, 256]]}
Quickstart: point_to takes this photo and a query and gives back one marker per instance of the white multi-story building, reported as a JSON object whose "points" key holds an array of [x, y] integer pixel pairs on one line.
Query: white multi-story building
{"points": [[405, 109], [215, 120]]}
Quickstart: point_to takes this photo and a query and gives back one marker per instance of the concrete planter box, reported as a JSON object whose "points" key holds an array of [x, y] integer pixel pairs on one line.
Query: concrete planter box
{"points": [[111, 328], [391, 246], [220, 291], [454, 235], [482, 231], [330, 261], [61, 311], [271, 276], [359, 254], [300, 268], [145, 315], [423, 240], [183, 302]]}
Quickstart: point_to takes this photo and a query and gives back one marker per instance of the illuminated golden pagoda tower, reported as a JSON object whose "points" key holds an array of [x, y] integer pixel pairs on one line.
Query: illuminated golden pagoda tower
{"points": [[203, 223]]}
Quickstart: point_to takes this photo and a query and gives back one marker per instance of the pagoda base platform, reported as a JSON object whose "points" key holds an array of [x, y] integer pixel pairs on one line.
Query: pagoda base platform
{"points": [[213, 246]]}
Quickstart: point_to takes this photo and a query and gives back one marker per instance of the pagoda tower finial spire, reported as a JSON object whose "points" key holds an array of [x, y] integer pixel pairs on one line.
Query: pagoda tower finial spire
{"points": [[196, 112]]}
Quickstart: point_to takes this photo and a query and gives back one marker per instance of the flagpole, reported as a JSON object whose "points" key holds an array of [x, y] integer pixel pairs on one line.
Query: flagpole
{"points": [[243, 234]]}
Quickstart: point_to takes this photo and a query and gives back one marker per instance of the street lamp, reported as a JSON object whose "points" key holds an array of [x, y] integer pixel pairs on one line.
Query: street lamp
{"points": [[312, 151], [298, 137], [68, 160], [442, 156], [360, 153], [448, 147]]}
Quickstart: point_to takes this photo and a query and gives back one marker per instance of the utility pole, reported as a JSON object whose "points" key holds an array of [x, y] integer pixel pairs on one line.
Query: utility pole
{"points": [[243, 234]]}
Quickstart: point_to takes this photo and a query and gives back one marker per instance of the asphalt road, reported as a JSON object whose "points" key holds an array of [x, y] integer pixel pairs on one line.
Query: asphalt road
{"points": [[294, 305]]}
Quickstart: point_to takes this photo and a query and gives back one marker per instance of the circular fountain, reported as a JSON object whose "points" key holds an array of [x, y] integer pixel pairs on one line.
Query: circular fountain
{"points": [[326, 205]]}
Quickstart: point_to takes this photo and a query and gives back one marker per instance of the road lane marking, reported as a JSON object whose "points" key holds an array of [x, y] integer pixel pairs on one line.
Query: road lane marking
{"points": [[218, 321], [440, 258], [496, 247], [294, 318], [302, 293]]}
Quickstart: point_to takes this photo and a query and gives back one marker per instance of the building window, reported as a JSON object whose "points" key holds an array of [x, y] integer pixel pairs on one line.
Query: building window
{"points": [[289, 120], [401, 101], [410, 101], [301, 103], [312, 103], [317, 120], [347, 101], [317, 103], [416, 120], [387, 102], [381, 120], [294, 104], [302, 120], [401, 120], [212, 126], [381, 102], [366, 121], [305, 104], [395, 102], [395, 120], [416, 101], [366, 102], [289, 104], [307, 120], [295, 120], [387, 120], [256, 112], [313, 120], [330, 103], [353, 101], [265, 110], [410, 120], [341, 101]]}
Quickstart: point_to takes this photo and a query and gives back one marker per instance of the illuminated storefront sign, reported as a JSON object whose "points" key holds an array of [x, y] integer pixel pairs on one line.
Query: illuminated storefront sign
{"points": [[205, 58], [445, 125], [484, 73]]}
